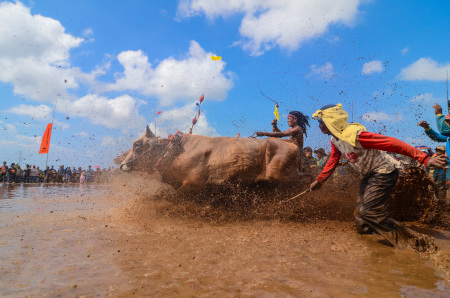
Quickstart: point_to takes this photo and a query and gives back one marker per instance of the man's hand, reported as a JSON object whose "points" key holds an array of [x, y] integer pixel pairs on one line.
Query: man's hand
{"points": [[260, 133], [424, 124], [315, 185], [274, 122], [439, 162], [437, 108]]}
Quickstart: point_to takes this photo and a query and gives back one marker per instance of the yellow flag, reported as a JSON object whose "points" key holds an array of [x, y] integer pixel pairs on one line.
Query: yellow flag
{"points": [[216, 58], [276, 113]]}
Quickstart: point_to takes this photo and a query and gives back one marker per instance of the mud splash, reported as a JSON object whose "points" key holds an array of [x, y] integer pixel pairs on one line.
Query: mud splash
{"points": [[133, 239]]}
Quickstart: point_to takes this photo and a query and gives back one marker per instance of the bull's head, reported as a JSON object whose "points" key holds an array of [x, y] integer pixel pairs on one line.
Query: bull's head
{"points": [[145, 153]]}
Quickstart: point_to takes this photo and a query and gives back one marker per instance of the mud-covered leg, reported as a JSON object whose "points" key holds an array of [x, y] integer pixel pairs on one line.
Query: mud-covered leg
{"points": [[374, 194]]}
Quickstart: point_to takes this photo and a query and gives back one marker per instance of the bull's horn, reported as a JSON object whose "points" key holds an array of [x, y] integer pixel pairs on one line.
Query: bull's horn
{"points": [[149, 134]]}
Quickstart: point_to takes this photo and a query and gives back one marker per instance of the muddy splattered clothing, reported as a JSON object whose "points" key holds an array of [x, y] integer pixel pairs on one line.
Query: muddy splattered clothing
{"points": [[303, 162], [439, 177], [437, 137], [379, 178]]}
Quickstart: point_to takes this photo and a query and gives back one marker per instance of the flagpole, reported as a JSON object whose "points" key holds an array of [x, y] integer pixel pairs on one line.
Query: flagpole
{"points": [[154, 117], [446, 88]]}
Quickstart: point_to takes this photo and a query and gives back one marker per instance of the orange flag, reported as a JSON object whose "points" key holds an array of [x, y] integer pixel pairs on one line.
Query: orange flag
{"points": [[45, 144]]}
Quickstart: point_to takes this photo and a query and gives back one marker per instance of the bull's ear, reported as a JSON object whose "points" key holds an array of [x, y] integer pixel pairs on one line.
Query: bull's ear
{"points": [[148, 133]]}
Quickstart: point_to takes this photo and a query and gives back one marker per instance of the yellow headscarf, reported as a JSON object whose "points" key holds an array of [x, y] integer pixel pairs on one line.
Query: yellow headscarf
{"points": [[335, 118]]}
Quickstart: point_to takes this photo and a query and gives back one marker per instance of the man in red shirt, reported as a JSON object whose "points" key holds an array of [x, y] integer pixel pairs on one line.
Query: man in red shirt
{"points": [[365, 153]]}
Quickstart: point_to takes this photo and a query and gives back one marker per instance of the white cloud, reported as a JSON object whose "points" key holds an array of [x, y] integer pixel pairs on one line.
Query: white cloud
{"points": [[405, 50], [35, 60], [88, 32], [38, 112], [371, 67], [8, 127], [381, 116], [425, 69], [11, 128], [34, 53], [173, 80], [24, 35], [82, 134], [60, 125], [181, 119], [119, 112], [325, 71], [425, 98], [107, 141], [270, 23]]}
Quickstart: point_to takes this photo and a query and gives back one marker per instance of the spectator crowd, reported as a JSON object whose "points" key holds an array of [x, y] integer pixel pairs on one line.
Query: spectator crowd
{"points": [[14, 173]]}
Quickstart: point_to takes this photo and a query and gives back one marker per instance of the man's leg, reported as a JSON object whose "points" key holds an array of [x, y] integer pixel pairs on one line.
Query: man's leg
{"points": [[361, 226], [441, 191], [374, 213]]}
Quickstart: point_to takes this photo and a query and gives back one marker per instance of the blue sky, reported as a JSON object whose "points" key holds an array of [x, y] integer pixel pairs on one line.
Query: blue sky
{"points": [[110, 65]]}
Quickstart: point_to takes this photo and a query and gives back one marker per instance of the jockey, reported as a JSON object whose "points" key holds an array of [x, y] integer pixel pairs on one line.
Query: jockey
{"points": [[297, 128]]}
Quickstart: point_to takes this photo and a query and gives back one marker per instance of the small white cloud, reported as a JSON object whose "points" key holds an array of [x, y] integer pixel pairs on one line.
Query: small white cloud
{"points": [[405, 50], [325, 71], [381, 116], [371, 67], [107, 141], [88, 32], [425, 98], [82, 134], [60, 125], [37, 112], [425, 69]]}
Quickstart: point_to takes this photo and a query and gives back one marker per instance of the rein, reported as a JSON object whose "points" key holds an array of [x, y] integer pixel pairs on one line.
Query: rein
{"points": [[172, 138]]}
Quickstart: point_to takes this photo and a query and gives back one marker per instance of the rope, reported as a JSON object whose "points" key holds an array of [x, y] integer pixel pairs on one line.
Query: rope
{"points": [[197, 116]]}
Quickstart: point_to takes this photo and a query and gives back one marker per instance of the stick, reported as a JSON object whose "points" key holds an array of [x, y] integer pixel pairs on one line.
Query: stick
{"points": [[266, 95], [300, 194]]}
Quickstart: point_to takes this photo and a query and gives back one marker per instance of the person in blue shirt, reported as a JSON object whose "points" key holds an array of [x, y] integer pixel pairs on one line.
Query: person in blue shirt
{"points": [[312, 161], [439, 177], [442, 122], [322, 158], [435, 136], [443, 125]]}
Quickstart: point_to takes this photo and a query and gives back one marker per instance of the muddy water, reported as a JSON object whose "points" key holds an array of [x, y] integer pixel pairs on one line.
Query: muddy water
{"points": [[119, 240]]}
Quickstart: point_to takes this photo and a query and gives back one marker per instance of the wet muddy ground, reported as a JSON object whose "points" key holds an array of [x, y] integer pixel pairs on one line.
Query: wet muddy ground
{"points": [[125, 239]]}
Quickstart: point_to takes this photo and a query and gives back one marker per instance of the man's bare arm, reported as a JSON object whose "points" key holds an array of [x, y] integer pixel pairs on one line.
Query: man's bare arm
{"points": [[274, 126], [280, 134]]}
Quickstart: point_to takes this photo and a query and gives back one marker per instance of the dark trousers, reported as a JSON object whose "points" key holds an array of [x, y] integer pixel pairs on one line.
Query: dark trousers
{"points": [[371, 214]]}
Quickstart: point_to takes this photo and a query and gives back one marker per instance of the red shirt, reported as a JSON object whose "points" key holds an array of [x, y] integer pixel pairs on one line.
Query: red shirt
{"points": [[369, 141]]}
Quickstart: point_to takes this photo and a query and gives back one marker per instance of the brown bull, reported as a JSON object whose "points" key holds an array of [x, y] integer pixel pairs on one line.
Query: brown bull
{"points": [[193, 161], [119, 159]]}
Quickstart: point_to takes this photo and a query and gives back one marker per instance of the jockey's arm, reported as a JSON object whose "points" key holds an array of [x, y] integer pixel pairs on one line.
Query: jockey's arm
{"points": [[280, 134]]}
